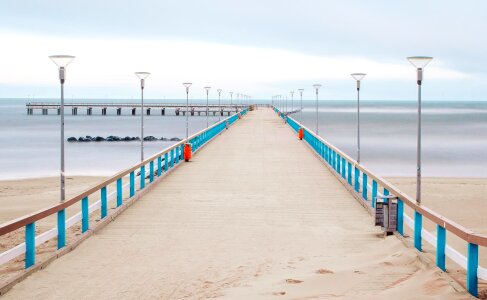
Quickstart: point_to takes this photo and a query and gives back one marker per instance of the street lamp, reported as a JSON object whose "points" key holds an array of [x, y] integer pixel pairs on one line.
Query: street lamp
{"points": [[301, 110], [142, 76], [219, 103], [358, 77], [187, 85], [317, 87], [62, 61], [231, 98], [207, 88], [419, 62], [292, 99]]}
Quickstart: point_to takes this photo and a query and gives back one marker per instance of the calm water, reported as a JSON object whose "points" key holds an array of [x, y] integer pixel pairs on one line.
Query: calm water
{"points": [[454, 137]]}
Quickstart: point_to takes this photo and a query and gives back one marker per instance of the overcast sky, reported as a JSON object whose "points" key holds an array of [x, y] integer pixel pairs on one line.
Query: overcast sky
{"points": [[260, 48]]}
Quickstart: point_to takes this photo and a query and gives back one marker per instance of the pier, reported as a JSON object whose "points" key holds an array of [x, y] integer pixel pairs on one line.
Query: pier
{"points": [[134, 108], [253, 200]]}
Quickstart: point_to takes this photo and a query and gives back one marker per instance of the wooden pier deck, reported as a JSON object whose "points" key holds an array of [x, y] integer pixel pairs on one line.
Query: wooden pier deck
{"points": [[254, 215]]}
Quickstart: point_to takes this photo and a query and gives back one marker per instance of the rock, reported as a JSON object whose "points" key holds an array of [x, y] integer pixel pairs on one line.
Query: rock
{"points": [[175, 139], [99, 139], [150, 138], [164, 139], [88, 137], [72, 139], [127, 139], [82, 139]]}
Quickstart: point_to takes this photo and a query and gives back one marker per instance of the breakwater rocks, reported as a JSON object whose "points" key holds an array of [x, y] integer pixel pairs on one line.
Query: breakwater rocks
{"points": [[114, 138]]}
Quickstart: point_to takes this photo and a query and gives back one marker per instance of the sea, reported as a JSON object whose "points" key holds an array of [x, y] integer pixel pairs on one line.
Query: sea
{"points": [[454, 136]]}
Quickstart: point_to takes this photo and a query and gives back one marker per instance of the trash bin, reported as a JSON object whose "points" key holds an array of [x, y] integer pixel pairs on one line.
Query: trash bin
{"points": [[386, 213]]}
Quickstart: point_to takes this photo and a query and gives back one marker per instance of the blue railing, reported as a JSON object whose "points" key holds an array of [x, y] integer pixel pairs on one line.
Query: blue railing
{"points": [[366, 186], [147, 172]]}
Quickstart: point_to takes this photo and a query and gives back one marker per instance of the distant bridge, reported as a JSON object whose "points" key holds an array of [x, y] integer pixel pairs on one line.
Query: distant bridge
{"points": [[178, 109]]}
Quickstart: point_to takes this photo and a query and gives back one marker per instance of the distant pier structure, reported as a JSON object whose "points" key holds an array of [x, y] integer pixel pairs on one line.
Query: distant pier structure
{"points": [[134, 108]]}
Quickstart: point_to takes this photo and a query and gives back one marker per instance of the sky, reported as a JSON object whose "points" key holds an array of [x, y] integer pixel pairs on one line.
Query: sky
{"points": [[259, 48]]}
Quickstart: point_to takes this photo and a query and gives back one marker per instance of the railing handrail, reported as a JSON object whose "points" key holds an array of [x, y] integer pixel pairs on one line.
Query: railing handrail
{"points": [[455, 228], [20, 222]]}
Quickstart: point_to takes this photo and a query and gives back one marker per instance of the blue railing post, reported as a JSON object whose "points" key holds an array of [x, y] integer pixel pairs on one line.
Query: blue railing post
{"points": [[151, 170], [364, 186], [374, 192], [339, 162], [344, 172], [400, 216], [132, 184], [166, 161], [177, 156], [440, 247], [85, 215], [349, 173], [418, 226], [472, 268], [356, 182], [142, 177], [159, 166], [172, 158], [104, 202], [61, 229], [30, 245], [119, 192]]}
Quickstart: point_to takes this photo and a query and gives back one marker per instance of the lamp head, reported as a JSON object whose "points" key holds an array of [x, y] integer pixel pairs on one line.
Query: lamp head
{"points": [[142, 75], [62, 61], [207, 88], [219, 91], [187, 84], [358, 76], [317, 86], [420, 61]]}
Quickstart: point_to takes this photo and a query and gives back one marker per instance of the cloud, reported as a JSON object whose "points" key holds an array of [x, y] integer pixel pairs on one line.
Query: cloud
{"points": [[112, 63]]}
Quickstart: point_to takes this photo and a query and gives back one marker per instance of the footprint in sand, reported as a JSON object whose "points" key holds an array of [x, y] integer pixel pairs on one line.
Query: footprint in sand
{"points": [[324, 271], [293, 281], [279, 293]]}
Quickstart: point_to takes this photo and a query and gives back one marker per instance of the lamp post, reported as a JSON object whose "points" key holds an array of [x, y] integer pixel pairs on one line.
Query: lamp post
{"points": [[142, 76], [231, 98], [62, 61], [207, 88], [187, 85], [301, 110], [419, 62], [358, 77], [317, 87], [292, 99], [219, 104]]}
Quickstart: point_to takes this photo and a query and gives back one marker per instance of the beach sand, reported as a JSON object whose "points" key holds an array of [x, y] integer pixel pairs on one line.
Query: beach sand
{"points": [[459, 199], [24, 196]]}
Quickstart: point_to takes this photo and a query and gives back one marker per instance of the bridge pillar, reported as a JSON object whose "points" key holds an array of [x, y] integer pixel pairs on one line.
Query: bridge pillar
{"points": [[163, 112], [73, 111], [199, 113], [184, 112], [214, 113], [192, 111], [89, 111], [221, 112], [148, 112], [104, 111], [177, 111], [228, 113], [119, 111], [133, 111]]}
